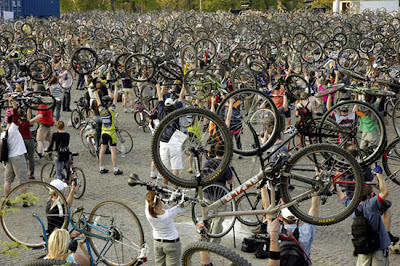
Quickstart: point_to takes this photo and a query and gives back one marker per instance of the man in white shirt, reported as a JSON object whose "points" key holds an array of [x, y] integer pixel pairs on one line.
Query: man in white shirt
{"points": [[16, 165]]}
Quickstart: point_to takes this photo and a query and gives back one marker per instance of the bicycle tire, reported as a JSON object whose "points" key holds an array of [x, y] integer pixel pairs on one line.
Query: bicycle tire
{"points": [[252, 103], [225, 253], [396, 117], [352, 74], [366, 157], [297, 87], [93, 151], [81, 182], [20, 225], [218, 226], [143, 124], [120, 228], [76, 118], [315, 55], [203, 142], [243, 77], [40, 100], [323, 156], [348, 58], [249, 201], [147, 92], [123, 136], [198, 83], [5, 68], [140, 67], [43, 262], [84, 60], [82, 133], [40, 70], [391, 159], [48, 172]]}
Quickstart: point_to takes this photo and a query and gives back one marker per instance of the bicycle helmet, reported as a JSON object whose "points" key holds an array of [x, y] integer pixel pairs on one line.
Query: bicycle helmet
{"points": [[106, 100], [153, 114]]}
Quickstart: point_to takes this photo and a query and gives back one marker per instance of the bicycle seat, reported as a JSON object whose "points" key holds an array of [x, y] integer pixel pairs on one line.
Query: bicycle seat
{"points": [[134, 180]]}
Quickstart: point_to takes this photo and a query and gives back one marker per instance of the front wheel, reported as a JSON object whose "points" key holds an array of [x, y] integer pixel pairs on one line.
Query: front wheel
{"points": [[122, 232], [40, 100], [76, 118], [206, 253], [391, 161], [311, 177], [249, 201], [124, 138], [80, 180]]}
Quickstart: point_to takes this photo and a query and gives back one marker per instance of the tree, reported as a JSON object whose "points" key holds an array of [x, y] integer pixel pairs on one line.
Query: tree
{"points": [[322, 4]]}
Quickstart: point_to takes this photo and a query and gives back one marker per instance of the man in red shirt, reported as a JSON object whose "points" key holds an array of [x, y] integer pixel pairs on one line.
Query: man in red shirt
{"points": [[44, 130]]}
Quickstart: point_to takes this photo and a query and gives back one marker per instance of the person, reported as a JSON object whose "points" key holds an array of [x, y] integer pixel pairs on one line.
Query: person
{"points": [[97, 119], [54, 206], [66, 84], [61, 141], [58, 248], [167, 245], [108, 132], [23, 121], [170, 155], [56, 92], [274, 249], [16, 165], [127, 87], [45, 123], [153, 123]]}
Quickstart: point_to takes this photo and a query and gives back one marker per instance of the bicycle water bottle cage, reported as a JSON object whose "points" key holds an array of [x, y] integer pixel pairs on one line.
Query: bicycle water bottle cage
{"points": [[140, 107]]}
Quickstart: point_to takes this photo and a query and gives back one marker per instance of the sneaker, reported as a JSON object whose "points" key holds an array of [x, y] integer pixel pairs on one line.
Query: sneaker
{"points": [[132, 110], [393, 239], [153, 176], [240, 157], [31, 177], [119, 172], [159, 176], [104, 171], [190, 170], [25, 203], [125, 111], [8, 203]]}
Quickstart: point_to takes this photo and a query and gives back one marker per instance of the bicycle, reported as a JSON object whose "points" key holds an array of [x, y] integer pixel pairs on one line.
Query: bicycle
{"points": [[113, 232], [70, 173], [80, 113], [142, 116], [34, 100], [88, 135]]}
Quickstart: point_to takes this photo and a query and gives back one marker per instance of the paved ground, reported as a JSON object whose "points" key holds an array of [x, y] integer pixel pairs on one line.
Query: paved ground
{"points": [[332, 244]]}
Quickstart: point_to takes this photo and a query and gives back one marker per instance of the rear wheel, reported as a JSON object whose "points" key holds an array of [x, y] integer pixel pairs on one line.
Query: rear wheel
{"points": [[124, 138], [249, 201], [76, 118], [391, 161]]}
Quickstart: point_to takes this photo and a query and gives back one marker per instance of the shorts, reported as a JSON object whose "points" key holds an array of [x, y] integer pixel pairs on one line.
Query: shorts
{"points": [[369, 140], [128, 93], [16, 167], [171, 156], [288, 113], [109, 139], [43, 133]]}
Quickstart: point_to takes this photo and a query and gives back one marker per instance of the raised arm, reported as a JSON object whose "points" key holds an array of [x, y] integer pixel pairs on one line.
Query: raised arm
{"points": [[115, 100], [96, 96], [182, 94], [228, 118], [159, 94]]}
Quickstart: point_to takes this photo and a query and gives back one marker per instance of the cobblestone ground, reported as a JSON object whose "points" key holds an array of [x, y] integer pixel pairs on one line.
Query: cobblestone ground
{"points": [[332, 244]]}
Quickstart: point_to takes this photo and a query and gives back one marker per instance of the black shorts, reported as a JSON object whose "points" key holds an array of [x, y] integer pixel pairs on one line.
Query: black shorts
{"points": [[107, 139], [288, 113]]}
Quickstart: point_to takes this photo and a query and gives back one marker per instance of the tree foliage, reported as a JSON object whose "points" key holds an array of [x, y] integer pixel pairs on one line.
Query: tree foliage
{"points": [[322, 4], [148, 5]]}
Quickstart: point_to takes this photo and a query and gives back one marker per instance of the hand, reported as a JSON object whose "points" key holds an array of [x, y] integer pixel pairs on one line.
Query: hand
{"points": [[81, 242], [378, 170], [274, 228], [74, 184], [199, 227]]}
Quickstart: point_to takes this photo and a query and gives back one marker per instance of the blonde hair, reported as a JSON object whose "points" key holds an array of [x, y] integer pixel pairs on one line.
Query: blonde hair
{"points": [[60, 125], [58, 244]]}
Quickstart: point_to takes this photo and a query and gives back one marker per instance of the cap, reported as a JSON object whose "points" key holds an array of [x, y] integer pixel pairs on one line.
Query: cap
{"points": [[58, 184], [169, 102], [344, 107], [287, 214]]}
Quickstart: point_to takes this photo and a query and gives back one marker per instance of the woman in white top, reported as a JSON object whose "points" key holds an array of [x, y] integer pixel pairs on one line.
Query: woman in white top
{"points": [[153, 123], [167, 246]]}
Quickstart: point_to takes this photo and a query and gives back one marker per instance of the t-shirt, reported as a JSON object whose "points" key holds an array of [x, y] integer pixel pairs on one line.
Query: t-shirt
{"points": [[325, 98], [174, 125], [127, 83], [371, 210], [163, 225], [47, 118], [278, 100], [56, 91], [61, 139], [56, 217], [275, 152], [211, 165], [368, 122], [346, 121], [16, 145], [153, 128], [108, 118], [24, 126]]}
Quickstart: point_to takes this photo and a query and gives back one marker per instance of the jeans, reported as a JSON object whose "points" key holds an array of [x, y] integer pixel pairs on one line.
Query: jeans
{"points": [[81, 81], [30, 148], [59, 167], [57, 109], [66, 100]]}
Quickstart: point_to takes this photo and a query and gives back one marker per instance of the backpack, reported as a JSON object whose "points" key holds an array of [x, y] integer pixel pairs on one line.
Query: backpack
{"points": [[4, 149], [291, 252], [365, 240], [63, 154]]}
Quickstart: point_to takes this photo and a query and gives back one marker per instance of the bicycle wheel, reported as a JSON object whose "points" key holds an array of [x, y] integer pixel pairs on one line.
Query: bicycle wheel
{"points": [[84, 60], [253, 108], [48, 172], [202, 253], [93, 149], [297, 87], [218, 226], [147, 92], [84, 135], [40, 70], [80, 178], [140, 67], [198, 83], [362, 126], [314, 171], [208, 130], [311, 52], [19, 224], [391, 159], [396, 117], [142, 123], [243, 78], [348, 58], [40, 100], [121, 231], [43, 262], [76, 118], [249, 201], [5, 68], [124, 138]]}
